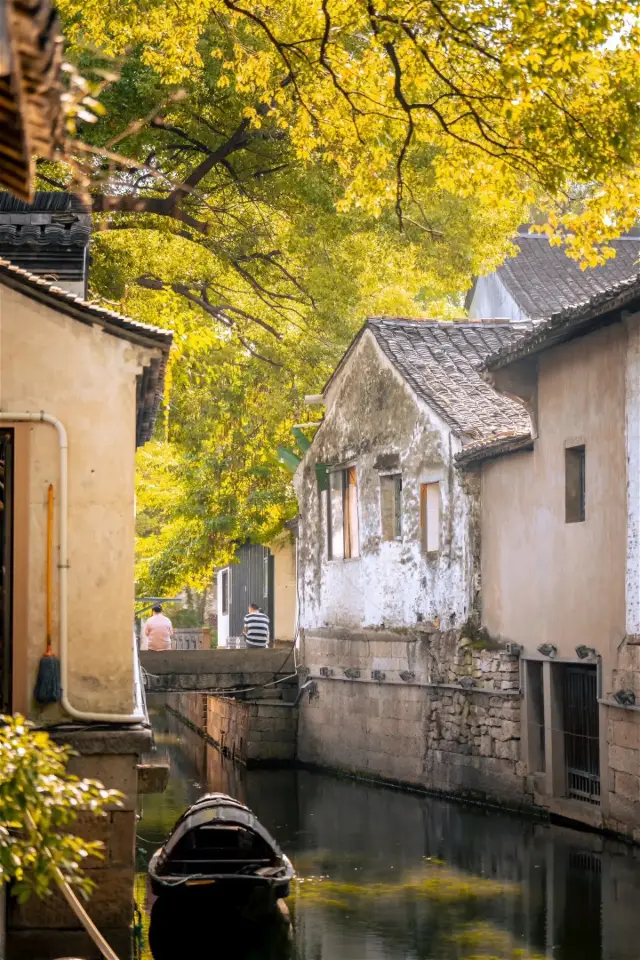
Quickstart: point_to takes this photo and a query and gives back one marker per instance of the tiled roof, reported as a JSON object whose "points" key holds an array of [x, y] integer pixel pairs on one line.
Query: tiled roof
{"points": [[440, 360], [39, 289], [150, 382], [543, 280], [497, 446], [602, 308]]}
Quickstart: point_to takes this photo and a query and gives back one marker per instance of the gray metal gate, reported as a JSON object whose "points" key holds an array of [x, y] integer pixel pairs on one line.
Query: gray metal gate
{"points": [[251, 582], [582, 733]]}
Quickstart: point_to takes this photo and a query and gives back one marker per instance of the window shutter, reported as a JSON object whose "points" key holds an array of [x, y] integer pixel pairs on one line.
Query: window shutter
{"points": [[352, 500], [433, 517], [334, 518], [387, 507]]}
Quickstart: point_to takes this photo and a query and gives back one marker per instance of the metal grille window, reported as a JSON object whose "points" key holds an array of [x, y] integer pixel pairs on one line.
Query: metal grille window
{"points": [[582, 733], [575, 469], [342, 515], [391, 507]]}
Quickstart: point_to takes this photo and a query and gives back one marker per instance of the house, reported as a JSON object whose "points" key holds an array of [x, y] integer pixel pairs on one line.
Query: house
{"points": [[31, 115], [540, 280], [560, 534], [389, 564], [80, 388], [265, 575]]}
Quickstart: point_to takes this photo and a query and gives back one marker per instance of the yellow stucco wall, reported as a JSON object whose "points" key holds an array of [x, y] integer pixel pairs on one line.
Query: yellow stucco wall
{"points": [[86, 378], [284, 587], [544, 580]]}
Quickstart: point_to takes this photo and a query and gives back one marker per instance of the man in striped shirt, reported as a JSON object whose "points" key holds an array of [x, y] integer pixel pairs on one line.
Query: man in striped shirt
{"points": [[256, 627]]}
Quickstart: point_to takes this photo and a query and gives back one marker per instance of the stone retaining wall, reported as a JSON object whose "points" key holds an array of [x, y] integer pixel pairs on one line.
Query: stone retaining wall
{"points": [[394, 705], [254, 732]]}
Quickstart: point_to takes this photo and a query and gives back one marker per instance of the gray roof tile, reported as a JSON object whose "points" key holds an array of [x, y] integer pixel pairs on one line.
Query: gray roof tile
{"points": [[440, 360], [543, 280]]}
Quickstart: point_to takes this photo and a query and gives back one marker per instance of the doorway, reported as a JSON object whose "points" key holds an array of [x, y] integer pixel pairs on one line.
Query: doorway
{"points": [[6, 568], [582, 733]]}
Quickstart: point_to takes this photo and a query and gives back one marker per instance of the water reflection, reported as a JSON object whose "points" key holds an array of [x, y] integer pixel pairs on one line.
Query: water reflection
{"points": [[388, 875]]}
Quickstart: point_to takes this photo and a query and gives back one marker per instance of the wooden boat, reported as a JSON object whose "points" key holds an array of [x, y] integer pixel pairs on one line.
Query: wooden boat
{"points": [[218, 847]]}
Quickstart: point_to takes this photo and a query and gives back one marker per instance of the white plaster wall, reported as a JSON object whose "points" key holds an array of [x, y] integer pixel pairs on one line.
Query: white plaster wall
{"points": [[492, 301], [87, 378], [223, 618], [391, 583]]}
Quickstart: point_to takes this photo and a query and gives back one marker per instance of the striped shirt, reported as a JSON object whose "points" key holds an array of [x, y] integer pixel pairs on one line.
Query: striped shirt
{"points": [[257, 629]]}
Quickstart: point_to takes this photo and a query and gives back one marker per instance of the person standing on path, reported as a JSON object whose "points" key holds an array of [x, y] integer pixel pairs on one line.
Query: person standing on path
{"points": [[256, 627], [158, 631]]}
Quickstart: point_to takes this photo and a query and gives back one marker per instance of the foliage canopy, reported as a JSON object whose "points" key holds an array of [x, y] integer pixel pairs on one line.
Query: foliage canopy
{"points": [[291, 166]]}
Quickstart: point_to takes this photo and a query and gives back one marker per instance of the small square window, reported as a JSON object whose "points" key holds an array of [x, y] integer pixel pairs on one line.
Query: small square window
{"points": [[574, 471]]}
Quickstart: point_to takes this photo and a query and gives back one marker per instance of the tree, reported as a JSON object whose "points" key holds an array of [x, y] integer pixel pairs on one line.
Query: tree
{"points": [[39, 801], [268, 174]]}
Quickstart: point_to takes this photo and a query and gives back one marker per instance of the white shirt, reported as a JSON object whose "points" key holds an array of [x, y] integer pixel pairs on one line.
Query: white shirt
{"points": [[157, 634]]}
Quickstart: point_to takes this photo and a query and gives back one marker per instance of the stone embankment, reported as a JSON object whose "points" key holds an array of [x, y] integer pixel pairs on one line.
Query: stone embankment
{"points": [[430, 709]]}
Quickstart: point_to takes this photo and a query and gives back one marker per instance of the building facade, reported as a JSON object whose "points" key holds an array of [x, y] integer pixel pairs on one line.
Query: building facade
{"points": [[265, 575], [560, 557], [79, 389], [389, 566]]}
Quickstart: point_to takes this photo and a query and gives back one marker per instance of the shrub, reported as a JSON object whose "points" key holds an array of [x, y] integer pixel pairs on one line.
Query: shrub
{"points": [[39, 802]]}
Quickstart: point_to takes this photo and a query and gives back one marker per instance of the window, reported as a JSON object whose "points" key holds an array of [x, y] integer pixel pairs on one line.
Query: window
{"points": [[430, 517], [574, 472], [391, 507], [224, 581], [342, 514]]}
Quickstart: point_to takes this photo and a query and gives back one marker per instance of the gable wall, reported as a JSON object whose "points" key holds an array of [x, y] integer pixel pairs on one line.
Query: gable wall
{"points": [[86, 378], [374, 417], [491, 300]]}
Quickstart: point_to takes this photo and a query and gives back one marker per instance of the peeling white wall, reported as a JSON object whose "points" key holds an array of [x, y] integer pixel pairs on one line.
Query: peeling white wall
{"points": [[373, 412]]}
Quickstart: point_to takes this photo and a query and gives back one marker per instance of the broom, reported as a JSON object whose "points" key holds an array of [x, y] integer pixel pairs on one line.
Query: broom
{"points": [[47, 688]]}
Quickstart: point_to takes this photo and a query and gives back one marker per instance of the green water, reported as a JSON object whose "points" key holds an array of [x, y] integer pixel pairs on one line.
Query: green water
{"points": [[388, 875]]}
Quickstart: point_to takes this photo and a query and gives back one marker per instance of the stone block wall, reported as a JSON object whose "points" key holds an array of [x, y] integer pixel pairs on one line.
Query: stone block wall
{"points": [[394, 705], [254, 732], [623, 736]]}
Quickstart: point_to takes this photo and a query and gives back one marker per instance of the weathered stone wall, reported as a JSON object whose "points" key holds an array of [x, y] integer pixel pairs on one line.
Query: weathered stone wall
{"points": [[393, 705], [254, 732], [623, 735]]}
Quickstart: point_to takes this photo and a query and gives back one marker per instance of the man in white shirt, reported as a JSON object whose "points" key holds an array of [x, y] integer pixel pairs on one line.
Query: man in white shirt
{"points": [[158, 631]]}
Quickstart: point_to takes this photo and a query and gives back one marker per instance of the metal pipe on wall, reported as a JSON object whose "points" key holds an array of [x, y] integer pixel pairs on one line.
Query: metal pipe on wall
{"points": [[138, 715]]}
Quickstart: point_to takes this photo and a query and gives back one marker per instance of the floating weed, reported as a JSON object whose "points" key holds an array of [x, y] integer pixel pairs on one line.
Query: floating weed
{"points": [[483, 941], [438, 884]]}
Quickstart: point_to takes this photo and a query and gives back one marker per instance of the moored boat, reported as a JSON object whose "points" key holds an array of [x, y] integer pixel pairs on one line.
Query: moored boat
{"points": [[218, 847]]}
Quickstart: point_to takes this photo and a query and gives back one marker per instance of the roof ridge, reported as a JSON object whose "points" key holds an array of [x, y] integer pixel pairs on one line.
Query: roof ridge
{"points": [[462, 322], [30, 280]]}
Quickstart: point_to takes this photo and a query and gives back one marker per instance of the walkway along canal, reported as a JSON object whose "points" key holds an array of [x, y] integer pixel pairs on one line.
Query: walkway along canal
{"points": [[387, 875]]}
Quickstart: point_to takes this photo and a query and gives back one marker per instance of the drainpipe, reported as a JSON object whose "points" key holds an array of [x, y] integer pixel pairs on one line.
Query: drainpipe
{"points": [[138, 715]]}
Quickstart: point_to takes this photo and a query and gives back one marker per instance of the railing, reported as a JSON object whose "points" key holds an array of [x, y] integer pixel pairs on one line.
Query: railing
{"points": [[191, 638]]}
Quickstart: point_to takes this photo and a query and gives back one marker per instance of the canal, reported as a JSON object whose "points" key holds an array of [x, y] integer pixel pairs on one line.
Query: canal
{"points": [[389, 875]]}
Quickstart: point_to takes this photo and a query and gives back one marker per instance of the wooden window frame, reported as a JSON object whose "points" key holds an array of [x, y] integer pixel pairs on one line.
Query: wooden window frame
{"points": [[348, 491], [430, 533]]}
